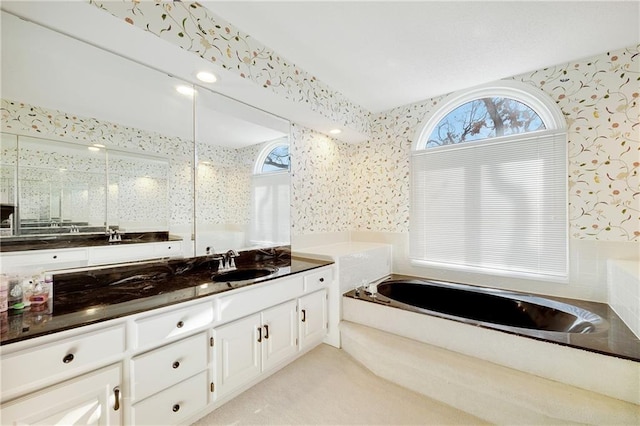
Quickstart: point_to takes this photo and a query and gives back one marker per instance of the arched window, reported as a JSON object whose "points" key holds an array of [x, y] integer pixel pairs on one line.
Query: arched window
{"points": [[274, 157], [489, 184], [483, 119], [271, 196]]}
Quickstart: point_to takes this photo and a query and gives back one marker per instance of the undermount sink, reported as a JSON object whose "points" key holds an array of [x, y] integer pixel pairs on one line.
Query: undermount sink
{"points": [[243, 274]]}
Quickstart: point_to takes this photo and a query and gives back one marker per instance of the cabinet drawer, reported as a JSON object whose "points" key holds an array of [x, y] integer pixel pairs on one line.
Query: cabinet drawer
{"points": [[259, 297], [163, 367], [168, 249], [174, 405], [25, 368], [317, 280], [169, 325], [119, 253], [46, 258]]}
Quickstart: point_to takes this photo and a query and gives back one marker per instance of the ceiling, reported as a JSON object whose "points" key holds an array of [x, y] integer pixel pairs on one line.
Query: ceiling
{"points": [[52, 70], [384, 54], [380, 54]]}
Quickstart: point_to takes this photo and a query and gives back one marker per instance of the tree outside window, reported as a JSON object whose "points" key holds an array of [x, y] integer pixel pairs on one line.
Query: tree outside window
{"points": [[277, 160], [485, 118]]}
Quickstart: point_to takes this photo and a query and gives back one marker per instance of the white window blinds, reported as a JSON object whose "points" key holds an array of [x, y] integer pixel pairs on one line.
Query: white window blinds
{"points": [[270, 198], [498, 206]]}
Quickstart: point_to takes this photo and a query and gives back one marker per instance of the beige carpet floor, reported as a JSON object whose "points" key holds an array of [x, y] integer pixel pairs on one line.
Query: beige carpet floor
{"points": [[328, 387]]}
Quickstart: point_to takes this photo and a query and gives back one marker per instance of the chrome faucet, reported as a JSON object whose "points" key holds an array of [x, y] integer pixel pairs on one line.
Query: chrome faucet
{"points": [[230, 258], [114, 235], [226, 260]]}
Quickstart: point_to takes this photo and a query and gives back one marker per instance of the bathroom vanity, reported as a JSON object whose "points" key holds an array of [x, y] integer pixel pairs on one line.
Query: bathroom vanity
{"points": [[166, 358], [71, 251]]}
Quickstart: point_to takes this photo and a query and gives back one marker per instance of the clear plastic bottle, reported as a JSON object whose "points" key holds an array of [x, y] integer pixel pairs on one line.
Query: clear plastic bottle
{"points": [[15, 292]]}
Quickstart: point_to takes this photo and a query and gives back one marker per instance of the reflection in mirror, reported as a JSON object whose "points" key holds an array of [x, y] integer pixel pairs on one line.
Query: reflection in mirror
{"points": [[91, 96], [61, 187], [238, 207], [138, 192], [270, 195], [8, 176]]}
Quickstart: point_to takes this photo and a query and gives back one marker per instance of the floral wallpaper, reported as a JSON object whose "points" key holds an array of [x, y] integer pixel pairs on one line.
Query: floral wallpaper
{"points": [[196, 29], [224, 184], [319, 183], [600, 99]]}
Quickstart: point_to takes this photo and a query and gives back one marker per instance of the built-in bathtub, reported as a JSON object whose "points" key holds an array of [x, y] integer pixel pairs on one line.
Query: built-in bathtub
{"points": [[505, 310], [581, 324], [576, 344]]}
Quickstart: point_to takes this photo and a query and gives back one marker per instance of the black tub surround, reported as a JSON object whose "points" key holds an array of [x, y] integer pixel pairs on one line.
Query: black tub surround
{"points": [[582, 324], [70, 240], [99, 294]]}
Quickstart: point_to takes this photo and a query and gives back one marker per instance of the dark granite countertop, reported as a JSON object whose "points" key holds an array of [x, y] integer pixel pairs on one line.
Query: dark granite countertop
{"points": [[99, 294], [70, 240]]}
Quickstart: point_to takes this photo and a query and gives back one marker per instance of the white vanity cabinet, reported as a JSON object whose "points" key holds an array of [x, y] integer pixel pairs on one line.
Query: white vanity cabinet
{"points": [[132, 252], [90, 399], [37, 365], [170, 365], [246, 348], [38, 260], [75, 379], [41, 260], [173, 405], [170, 383], [313, 322], [249, 346]]}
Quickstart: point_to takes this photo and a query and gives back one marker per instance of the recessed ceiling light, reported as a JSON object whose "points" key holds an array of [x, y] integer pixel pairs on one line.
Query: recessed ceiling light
{"points": [[206, 77], [185, 90], [335, 131], [94, 148]]}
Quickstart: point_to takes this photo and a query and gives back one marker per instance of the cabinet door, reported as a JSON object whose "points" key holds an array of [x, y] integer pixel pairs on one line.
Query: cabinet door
{"points": [[237, 353], [279, 332], [313, 318], [91, 399]]}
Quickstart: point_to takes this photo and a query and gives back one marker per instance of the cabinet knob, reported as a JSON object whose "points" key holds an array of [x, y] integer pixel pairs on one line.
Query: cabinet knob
{"points": [[180, 324], [55, 256], [175, 408], [321, 280], [176, 364], [68, 358]]}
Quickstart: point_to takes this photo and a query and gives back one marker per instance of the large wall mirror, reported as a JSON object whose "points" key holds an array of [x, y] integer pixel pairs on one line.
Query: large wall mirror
{"points": [[91, 140], [239, 203]]}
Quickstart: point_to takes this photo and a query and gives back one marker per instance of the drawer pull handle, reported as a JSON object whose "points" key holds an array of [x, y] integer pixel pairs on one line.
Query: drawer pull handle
{"points": [[259, 334], [180, 324], [175, 408], [67, 358], [116, 393], [176, 364], [304, 315], [266, 331], [321, 280]]}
